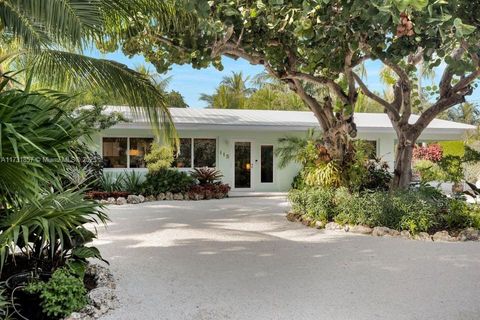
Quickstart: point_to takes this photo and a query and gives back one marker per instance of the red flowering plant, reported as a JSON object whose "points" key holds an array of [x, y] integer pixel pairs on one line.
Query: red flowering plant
{"points": [[432, 152]]}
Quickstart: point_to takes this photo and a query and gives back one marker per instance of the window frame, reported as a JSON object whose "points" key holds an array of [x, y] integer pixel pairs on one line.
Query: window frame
{"points": [[192, 148], [273, 163], [126, 151]]}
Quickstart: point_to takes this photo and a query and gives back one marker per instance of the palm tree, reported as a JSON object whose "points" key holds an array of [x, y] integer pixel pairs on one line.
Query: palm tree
{"points": [[294, 149], [466, 113], [47, 39]]}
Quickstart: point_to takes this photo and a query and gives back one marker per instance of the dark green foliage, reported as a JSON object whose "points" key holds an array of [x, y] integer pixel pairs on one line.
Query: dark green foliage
{"points": [[168, 180], [423, 209], [84, 160], [377, 176], [63, 294], [132, 182], [206, 175], [4, 303]]}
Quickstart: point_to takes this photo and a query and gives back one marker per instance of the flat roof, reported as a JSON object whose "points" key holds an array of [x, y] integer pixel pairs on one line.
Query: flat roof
{"points": [[241, 119]]}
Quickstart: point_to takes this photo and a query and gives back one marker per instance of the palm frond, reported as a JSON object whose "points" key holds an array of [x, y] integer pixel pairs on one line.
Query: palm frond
{"points": [[72, 71]]}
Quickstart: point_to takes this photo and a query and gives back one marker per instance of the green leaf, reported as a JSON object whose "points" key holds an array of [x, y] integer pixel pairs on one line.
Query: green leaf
{"points": [[462, 29]]}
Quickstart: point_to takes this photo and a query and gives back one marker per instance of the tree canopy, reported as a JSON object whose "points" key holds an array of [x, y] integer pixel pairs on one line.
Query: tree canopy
{"points": [[324, 43]]}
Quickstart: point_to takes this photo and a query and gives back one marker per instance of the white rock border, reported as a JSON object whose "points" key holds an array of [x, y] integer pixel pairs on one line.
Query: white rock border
{"points": [[136, 199], [102, 298], [468, 234]]}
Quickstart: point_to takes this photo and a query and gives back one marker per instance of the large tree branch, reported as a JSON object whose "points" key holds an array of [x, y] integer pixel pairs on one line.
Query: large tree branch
{"points": [[313, 104], [348, 69], [332, 85], [445, 85], [442, 104], [388, 106]]}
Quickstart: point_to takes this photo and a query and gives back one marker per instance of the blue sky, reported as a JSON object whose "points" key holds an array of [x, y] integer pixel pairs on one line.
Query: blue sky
{"points": [[192, 82]]}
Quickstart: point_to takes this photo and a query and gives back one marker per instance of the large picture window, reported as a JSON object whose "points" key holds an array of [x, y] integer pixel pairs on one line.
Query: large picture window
{"points": [[184, 157], [138, 148], [199, 152], [115, 152], [204, 152]]}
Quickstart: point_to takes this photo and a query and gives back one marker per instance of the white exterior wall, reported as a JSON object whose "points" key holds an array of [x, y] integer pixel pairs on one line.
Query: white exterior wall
{"points": [[282, 178]]}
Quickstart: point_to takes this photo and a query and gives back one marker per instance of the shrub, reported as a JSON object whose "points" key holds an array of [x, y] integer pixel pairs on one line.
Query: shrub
{"points": [[63, 294], [167, 180], [206, 175], [218, 190], [432, 152], [429, 171], [111, 182], [360, 208], [133, 182], [314, 202], [159, 158], [377, 176]]}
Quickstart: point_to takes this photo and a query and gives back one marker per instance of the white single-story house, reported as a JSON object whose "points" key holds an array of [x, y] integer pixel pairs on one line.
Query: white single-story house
{"points": [[241, 143]]}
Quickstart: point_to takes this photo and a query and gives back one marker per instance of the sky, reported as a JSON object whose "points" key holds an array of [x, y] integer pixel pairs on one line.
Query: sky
{"points": [[191, 83]]}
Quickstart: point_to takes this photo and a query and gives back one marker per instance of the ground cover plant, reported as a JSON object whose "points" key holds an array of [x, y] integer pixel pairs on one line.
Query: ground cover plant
{"points": [[420, 209]]}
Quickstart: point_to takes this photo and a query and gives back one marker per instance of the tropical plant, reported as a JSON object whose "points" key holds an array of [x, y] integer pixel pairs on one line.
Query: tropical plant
{"points": [[111, 182], [45, 226], [432, 152], [232, 93], [297, 149], [159, 158], [45, 40], [167, 180], [4, 304], [206, 175], [133, 182], [63, 294]]}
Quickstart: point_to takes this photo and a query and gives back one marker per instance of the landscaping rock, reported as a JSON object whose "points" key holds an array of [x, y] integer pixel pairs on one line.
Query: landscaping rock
{"points": [[178, 196], [161, 196], [168, 196], [150, 198], [333, 226], [142, 198], [103, 277], [103, 201], [360, 229], [292, 216], [469, 234], [393, 233], [133, 199], [306, 220], [121, 201], [111, 200], [102, 299], [186, 196], [442, 236], [423, 236], [380, 231], [78, 316], [319, 224], [405, 234]]}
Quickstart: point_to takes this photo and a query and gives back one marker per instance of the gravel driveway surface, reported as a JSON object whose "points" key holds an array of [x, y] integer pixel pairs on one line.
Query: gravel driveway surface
{"points": [[239, 258]]}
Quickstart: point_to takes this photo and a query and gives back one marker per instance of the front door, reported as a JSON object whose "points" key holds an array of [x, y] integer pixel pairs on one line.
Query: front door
{"points": [[243, 165]]}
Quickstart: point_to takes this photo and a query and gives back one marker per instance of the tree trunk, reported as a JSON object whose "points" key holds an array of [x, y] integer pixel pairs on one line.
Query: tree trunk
{"points": [[402, 175], [338, 141]]}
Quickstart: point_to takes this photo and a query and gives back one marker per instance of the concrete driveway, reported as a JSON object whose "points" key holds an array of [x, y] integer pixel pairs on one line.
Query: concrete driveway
{"points": [[239, 258]]}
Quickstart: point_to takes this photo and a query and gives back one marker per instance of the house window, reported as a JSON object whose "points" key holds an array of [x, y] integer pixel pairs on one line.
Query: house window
{"points": [[138, 148], [115, 152], [266, 161], [204, 152], [184, 158]]}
